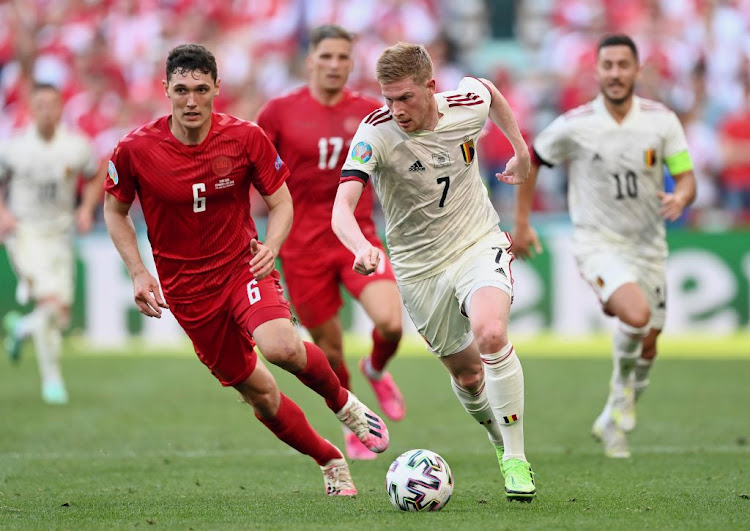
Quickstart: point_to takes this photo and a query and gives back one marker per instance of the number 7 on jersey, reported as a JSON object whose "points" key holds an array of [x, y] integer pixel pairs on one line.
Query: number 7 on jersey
{"points": [[447, 182]]}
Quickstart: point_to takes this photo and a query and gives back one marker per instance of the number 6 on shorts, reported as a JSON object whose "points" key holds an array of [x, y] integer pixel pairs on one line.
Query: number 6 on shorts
{"points": [[253, 293]]}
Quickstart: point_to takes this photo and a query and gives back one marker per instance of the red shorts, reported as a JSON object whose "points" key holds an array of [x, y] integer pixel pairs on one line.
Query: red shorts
{"points": [[221, 327], [313, 283]]}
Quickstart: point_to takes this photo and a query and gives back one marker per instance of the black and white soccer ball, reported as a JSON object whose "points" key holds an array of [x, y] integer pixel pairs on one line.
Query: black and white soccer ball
{"points": [[419, 480]]}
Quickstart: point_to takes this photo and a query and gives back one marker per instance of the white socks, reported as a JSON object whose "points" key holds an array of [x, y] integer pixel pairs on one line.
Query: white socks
{"points": [[642, 370], [47, 338], [504, 382], [627, 344], [477, 405], [30, 322], [369, 371]]}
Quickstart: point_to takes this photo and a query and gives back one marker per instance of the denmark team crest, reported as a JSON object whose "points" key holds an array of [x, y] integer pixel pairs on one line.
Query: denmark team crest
{"points": [[468, 151]]}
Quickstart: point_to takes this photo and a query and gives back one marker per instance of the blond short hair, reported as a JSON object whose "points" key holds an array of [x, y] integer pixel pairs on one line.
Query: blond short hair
{"points": [[404, 60]]}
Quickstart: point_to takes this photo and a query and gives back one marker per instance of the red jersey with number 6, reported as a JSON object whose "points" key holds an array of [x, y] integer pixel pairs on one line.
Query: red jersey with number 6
{"points": [[195, 199], [314, 140]]}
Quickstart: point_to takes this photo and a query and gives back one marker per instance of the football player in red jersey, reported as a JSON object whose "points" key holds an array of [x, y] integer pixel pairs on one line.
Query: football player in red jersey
{"points": [[192, 171], [312, 128]]}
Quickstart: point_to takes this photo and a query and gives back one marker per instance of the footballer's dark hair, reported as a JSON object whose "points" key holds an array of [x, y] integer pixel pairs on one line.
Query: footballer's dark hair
{"points": [[328, 31], [618, 39], [187, 58]]}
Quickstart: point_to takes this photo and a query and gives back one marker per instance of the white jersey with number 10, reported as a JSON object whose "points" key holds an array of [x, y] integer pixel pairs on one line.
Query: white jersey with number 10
{"points": [[43, 176], [616, 171]]}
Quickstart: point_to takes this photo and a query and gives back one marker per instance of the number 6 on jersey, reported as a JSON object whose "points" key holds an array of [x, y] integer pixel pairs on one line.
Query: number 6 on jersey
{"points": [[199, 201]]}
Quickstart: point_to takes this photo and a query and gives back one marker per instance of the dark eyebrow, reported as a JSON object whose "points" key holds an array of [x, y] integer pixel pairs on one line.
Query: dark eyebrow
{"points": [[183, 85]]}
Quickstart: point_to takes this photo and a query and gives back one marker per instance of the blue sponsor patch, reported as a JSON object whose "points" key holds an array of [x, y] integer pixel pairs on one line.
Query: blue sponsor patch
{"points": [[278, 163], [362, 152], [112, 172]]}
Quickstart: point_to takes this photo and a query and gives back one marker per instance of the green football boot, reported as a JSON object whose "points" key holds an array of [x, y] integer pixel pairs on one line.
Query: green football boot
{"points": [[519, 480]]}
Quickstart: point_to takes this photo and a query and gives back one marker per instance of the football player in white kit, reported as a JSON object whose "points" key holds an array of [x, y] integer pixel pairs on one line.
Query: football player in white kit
{"points": [[39, 168], [617, 146], [451, 260]]}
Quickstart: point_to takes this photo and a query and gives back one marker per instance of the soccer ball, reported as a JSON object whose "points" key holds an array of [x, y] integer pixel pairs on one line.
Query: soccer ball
{"points": [[419, 480]]}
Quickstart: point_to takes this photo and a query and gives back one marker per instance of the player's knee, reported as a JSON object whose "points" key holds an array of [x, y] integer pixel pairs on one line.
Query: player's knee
{"points": [[490, 336], [390, 330], [636, 316], [287, 353], [470, 381]]}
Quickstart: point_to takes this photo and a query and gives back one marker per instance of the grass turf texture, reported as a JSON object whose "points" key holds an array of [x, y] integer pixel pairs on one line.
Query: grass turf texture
{"points": [[153, 440]]}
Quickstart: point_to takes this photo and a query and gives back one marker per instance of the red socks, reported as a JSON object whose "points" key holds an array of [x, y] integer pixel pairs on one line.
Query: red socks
{"points": [[319, 377], [382, 351], [343, 374], [291, 426]]}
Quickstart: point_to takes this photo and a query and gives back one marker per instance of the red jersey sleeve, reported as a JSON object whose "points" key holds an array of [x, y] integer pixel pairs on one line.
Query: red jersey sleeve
{"points": [[270, 171], [120, 180]]}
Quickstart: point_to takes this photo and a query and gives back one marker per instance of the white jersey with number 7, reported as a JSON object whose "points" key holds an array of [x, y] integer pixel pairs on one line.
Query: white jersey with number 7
{"points": [[428, 182]]}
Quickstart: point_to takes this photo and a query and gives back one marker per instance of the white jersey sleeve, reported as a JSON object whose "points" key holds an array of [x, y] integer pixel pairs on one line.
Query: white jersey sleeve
{"points": [[475, 94], [675, 141], [552, 145], [367, 148]]}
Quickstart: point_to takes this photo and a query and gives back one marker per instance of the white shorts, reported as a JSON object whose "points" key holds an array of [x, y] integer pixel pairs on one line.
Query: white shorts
{"points": [[607, 270], [43, 263], [438, 305]]}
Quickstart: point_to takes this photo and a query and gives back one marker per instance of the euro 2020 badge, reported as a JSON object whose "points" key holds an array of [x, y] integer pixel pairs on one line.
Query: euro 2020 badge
{"points": [[112, 172], [362, 152]]}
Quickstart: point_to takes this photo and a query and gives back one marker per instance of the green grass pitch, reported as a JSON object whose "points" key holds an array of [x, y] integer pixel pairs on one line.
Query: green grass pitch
{"points": [[152, 441]]}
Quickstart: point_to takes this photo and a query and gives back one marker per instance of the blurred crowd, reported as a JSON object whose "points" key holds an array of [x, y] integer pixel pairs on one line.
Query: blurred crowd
{"points": [[108, 58]]}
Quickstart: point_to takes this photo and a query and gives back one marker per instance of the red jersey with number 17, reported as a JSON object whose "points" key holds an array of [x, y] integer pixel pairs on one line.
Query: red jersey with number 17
{"points": [[314, 140], [195, 199]]}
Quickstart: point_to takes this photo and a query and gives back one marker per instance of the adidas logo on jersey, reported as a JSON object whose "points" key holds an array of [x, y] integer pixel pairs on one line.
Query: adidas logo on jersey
{"points": [[501, 271], [417, 166]]}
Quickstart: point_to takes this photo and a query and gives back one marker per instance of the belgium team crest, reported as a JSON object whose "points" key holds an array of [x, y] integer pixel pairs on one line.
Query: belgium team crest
{"points": [[649, 157], [468, 151]]}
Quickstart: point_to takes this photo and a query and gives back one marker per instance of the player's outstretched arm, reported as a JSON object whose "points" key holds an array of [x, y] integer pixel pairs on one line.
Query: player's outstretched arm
{"points": [[280, 215], [344, 224], [92, 196], [517, 169], [673, 204], [525, 239], [146, 290]]}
